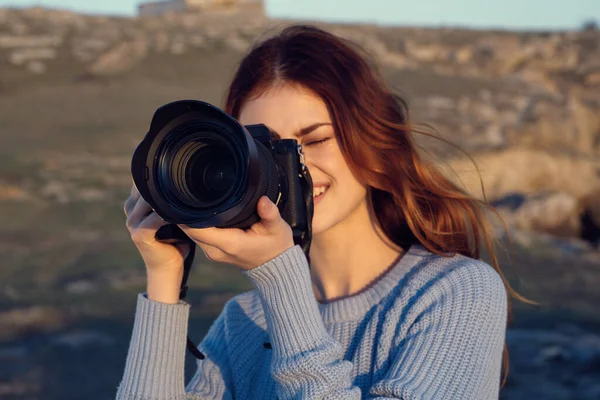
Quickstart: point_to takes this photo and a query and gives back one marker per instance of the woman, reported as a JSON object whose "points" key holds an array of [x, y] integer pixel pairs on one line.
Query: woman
{"points": [[395, 303]]}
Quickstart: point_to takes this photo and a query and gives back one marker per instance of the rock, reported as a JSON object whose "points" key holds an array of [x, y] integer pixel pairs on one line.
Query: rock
{"points": [[427, 53], [21, 56], [590, 217], [440, 102], [57, 191], [197, 40], [552, 364], [161, 42], [547, 123], [236, 42], [593, 79], [586, 121], [591, 365], [93, 194], [36, 67], [17, 321], [556, 213], [549, 244], [526, 171], [42, 41], [13, 193], [178, 46], [80, 339], [379, 49], [120, 58], [553, 218], [86, 49], [13, 353], [463, 55], [81, 287], [553, 354], [495, 137]]}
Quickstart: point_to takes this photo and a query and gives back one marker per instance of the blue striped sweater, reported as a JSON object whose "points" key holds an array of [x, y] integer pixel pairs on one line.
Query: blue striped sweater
{"points": [[430, 328]]}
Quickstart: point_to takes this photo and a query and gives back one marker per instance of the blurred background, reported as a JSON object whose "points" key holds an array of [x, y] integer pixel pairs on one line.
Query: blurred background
{"points": [[515, 84]]}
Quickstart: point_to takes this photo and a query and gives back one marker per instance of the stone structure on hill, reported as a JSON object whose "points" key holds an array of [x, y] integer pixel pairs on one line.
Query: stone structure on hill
{"points": [[151, 8]]}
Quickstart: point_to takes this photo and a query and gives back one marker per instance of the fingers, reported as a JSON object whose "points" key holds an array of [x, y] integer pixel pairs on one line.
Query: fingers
{"points": [[128, 206], [268, 212], [138, 213], [222, 238], [131, 200], [145, 231], [213, 253], [152, 221], [134, 192]]}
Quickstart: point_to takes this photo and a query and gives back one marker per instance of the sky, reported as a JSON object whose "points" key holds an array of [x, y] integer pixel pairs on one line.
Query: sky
{"points": [[507, 14]]}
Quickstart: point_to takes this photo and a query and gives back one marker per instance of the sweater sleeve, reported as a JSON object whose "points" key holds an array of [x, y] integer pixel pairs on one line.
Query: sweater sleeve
{"points": [[154, 369], [213, 378], [307, 362], [453, 349]]}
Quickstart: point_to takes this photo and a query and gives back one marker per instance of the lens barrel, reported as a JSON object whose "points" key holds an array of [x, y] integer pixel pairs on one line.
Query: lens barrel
{"points": [[200, 167]]}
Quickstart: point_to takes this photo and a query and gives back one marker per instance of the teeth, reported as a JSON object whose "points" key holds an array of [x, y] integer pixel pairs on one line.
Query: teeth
{"points": [[319, 190]]}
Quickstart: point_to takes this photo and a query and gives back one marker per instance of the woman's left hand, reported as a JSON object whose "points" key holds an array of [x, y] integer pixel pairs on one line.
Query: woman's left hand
{"points": [[246, 249]]}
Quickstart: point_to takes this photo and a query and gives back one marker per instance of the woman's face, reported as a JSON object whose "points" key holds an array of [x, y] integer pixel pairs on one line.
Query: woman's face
{"points": [[294, 113]]}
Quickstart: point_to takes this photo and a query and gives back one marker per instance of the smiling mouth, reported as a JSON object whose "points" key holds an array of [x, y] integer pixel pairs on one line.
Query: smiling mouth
{"points": [[318, 191]]}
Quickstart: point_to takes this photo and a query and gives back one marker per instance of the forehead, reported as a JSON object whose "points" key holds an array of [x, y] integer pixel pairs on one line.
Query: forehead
{"points": [[285, 109]]}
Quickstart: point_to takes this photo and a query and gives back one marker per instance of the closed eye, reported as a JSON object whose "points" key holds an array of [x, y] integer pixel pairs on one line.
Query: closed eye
{"points": [[317, 142]]}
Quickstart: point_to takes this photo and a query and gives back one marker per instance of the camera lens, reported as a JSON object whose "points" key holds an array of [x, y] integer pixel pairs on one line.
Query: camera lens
{"points": [[211, 175], [201, 172], [198, 166]]}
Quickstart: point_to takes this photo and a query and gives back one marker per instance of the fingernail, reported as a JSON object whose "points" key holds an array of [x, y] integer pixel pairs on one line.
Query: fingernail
{"points": [[268, 203]]}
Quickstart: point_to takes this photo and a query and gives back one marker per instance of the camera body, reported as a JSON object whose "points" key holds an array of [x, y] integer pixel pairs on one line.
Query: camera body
{"points": [[289, 161], [187, 133]]}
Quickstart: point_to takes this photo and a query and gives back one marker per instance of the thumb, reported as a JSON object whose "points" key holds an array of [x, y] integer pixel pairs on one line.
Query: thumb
{"points": [[268, 211]]}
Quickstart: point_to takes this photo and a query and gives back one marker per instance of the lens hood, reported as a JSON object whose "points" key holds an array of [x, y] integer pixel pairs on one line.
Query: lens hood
{"points": [[186, 121]]}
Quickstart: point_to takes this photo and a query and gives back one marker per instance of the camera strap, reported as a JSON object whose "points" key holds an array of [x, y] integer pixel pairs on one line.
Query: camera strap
{"points": [[307, 189], [187, 267]]}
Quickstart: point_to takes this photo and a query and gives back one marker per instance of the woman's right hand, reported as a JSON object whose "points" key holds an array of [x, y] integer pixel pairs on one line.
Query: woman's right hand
{"points": [[164, 262]]}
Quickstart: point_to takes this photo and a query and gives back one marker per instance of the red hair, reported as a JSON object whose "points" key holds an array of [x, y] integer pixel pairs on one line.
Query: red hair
{"points": [[412, 200]]}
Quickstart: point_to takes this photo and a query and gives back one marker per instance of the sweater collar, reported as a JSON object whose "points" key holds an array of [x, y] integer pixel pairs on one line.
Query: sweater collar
{"points": [[355, 306]]}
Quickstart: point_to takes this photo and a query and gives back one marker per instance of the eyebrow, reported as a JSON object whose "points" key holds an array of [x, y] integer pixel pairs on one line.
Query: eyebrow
{"points": [[304, 131], [310, 128]]}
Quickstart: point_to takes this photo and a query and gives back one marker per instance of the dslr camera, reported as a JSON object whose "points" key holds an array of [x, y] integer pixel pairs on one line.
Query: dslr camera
{"points": [[198, 166]]}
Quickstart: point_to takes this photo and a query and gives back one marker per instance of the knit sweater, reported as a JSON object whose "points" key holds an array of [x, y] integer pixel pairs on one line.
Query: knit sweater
{"points": [[430, 327]]}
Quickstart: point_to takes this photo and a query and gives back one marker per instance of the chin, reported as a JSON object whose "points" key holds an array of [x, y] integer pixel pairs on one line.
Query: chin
{"points": [[319, 225], [323, 221], [317, 229]]}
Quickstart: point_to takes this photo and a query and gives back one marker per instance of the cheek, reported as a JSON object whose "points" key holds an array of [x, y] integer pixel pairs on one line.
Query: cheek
{"points": [[347, 187], [341, 171], [343, 182], [327, 162], [326, 158]]}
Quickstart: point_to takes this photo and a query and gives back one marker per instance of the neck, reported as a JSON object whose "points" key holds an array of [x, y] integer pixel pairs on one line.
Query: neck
{"points": [[349, 256]]}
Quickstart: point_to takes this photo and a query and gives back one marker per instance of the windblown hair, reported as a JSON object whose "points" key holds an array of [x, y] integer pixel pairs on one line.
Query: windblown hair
{"points": [[412, 200]]}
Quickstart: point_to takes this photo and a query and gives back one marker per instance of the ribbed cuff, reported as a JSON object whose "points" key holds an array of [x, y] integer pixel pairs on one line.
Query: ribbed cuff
{"points": [[290, 307], [156, 358]]}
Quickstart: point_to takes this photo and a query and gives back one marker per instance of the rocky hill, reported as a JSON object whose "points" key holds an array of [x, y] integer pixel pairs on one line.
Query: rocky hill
{"points": [[528, 100], [543, 89]]}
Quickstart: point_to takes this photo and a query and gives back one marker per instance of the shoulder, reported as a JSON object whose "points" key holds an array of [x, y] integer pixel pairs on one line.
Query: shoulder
{"points": [[454, 271], [455, 282]]}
